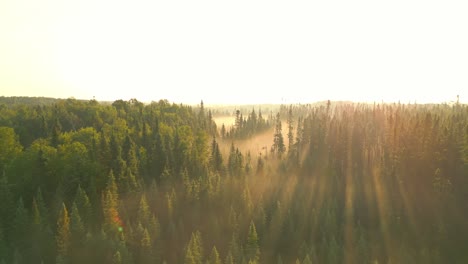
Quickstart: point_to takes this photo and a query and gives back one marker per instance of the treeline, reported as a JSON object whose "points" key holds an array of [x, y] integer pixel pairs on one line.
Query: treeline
{"points": [[17, 100], [246, 127], [84, 182]]}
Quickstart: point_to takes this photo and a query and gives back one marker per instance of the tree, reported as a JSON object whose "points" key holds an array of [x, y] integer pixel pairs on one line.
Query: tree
{"points": [[290, 123], [223, 131], [63, 234], [278, 147], [252, 250], [229, 259], [10, 147], [21, 228], [116, 258], [112, 221], [77, 228], [333, 253], [307, 260], [235, 251], [146, 253], [154, 229], [84, 207], [214, 257], [194, 249], [216, 159], [41, 230], [143, 214]]}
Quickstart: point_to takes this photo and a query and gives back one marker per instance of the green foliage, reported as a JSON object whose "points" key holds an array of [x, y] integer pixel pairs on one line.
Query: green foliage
{"points": [[194, 249], [10, 147], [246, 127], [76, 228], [252, 250], [63, 235], [214, 257], [360, 183]]}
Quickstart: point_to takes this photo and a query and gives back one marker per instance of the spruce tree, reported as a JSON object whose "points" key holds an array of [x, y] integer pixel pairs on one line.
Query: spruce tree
{"points": [[63, 235], [214, 257], [252, 249]]}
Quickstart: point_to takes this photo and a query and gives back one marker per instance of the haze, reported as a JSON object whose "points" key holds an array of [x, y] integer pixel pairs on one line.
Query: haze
{"points": [[235, 51]]}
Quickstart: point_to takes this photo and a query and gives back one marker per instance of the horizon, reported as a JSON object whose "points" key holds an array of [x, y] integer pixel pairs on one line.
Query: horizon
{"points": [[217, 104]]}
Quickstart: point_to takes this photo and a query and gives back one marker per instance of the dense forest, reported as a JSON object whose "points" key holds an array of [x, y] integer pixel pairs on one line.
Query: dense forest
{"points": [[127, 182]]}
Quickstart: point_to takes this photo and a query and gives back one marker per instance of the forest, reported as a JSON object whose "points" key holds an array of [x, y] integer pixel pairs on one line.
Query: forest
{"points": [[130, 182]]}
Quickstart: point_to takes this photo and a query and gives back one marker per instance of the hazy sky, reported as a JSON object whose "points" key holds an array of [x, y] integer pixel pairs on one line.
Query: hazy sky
{"points": [[235, 51]]}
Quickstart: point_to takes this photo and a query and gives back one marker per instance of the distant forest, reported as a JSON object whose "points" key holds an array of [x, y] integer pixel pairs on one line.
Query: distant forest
{"points": [[127, 182]]}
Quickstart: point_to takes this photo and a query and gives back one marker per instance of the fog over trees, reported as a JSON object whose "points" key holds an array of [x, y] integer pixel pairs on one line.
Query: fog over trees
{"points": [[127, 182]]}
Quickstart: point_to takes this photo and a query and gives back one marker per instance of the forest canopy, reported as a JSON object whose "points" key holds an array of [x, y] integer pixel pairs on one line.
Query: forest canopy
{"points": [[128, 182]]}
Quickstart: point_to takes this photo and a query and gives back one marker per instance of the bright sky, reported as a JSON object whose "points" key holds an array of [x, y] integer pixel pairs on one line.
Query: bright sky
{"points": [[235, 51]]}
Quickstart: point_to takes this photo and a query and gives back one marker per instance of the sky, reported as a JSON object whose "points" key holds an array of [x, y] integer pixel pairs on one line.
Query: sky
{"points": [[235, 51]]}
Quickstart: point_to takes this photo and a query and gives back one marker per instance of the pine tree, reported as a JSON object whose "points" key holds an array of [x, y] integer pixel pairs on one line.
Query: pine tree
{"points": [[278, 147], [214, 257], [229, 259], [7, 209], [63, 235], [21, 228], [146, 253], [234, 248], [143, 214], [290, 129], [307, 260], [43, 237], [252, 249], [189, 258], [194, 250], [42, 208], [154, 229], [223, 131], [333, 252], [77, 229], [112, 221], [84, 207], [216, 159], [116, 258], [36, 230]]}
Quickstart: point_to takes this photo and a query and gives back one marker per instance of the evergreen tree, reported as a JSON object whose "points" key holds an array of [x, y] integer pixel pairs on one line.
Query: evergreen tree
{"points": [[194, 250], [77, 228], [146, 253], [252, 249], [223, 131], [229, 259], [216, 159], [235, 249], [84, 207], [290, 129], [116, 258], [214, 257], [278, 147], [63, 235], [112, 221], [21, 229], [7, 210], [143, 214], [307, 260]]}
